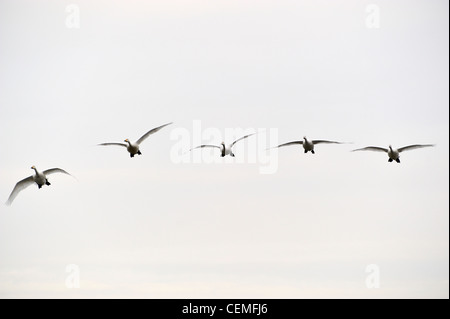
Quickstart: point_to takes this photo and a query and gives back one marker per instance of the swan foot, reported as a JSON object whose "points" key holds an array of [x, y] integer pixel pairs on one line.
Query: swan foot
{"points": [[139, 153], [397, 160], [131, 155], [40, 186], [390, 160], [47, 183], [232, 154], [312, 151]]}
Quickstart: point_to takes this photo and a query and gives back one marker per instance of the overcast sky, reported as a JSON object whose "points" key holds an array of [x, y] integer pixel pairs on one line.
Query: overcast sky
{"points": [[279, 224]]}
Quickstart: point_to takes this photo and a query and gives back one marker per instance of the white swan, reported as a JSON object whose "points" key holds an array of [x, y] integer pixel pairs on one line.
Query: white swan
{"points": [[40, 178], [133, 148], [394, 154], [224, 149], [308, 145]]}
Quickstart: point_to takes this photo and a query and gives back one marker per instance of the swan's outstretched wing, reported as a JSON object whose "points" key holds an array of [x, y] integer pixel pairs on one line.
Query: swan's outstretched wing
{"points": [[240, 139], [156, 129], [372, 148], [116, 144], [55, 170], [18, 188], [412, 147], [325, 142], [290, 143], [201, 146]]}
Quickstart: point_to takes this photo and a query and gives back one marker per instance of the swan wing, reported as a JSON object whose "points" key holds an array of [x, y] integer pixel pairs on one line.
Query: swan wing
{"points": [[372, 148], [115, 144], [325, 142], [202, 146], [18, 188], [156, 129], [240, 139], [413, 147], [290, 143], [55, 170]]}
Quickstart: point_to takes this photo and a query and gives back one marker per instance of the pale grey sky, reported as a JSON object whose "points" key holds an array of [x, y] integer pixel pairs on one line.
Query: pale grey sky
{"points": [[150, 227]]}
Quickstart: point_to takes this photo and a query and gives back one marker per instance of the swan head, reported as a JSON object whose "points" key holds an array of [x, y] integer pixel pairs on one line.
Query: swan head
{"points": [[127, 140], [304, 137], [223, 143], [33, 167], [390, 147]]}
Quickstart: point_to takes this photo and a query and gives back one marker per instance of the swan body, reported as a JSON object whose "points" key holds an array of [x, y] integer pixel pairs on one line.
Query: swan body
{"points": [[393, 153], [308, 145], [133, 148], [224, 149], [40, 178]]}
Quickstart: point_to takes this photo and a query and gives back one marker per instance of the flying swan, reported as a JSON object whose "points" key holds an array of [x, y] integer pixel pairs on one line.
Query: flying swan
{"points": [[308, 145], [133, 148], [224, 149], [40, 178], [394, 154]]}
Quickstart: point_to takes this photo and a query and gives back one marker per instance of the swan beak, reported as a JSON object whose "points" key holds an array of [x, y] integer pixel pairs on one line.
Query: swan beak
{"points": [[126, 140], [33, 167]]}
